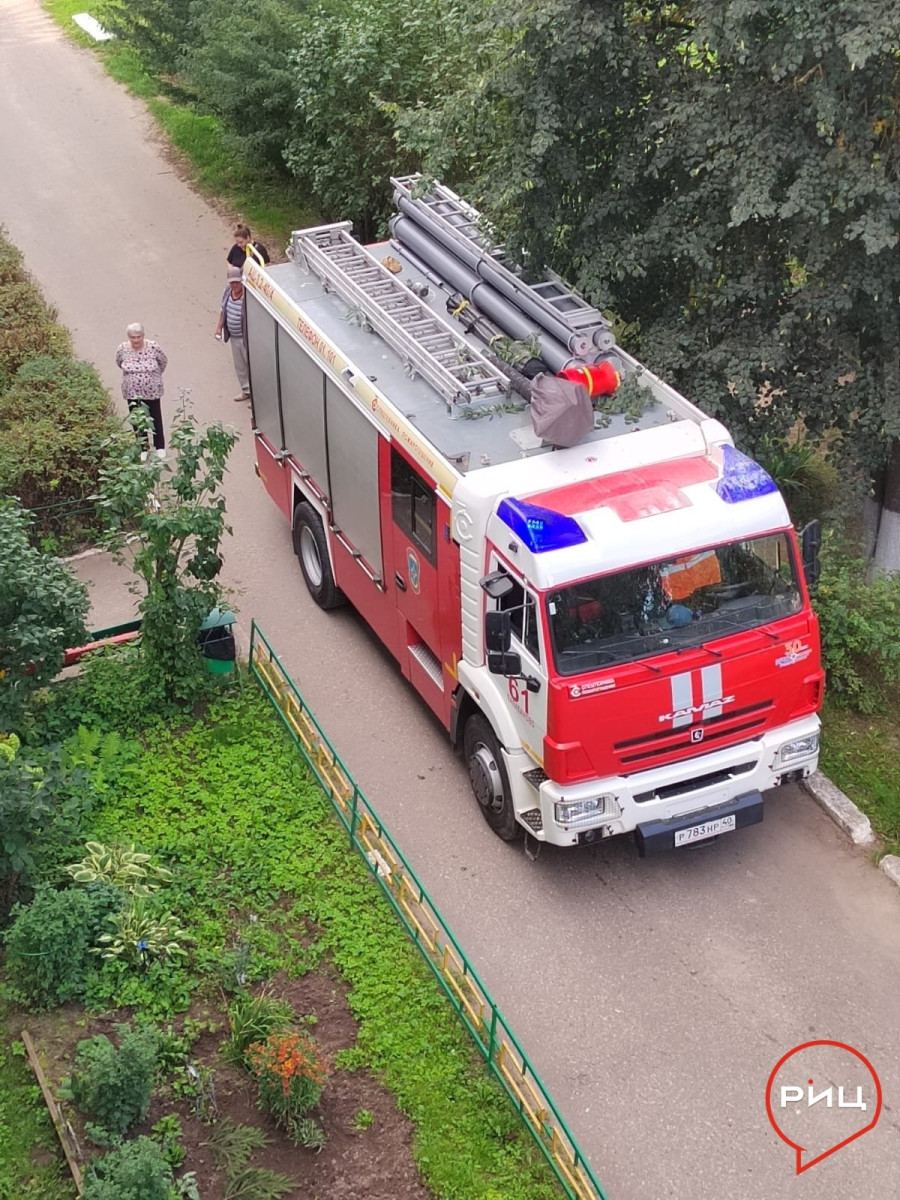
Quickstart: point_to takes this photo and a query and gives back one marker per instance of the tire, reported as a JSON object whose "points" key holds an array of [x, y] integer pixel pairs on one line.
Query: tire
{"points": [[487, 775], [311, 548]]}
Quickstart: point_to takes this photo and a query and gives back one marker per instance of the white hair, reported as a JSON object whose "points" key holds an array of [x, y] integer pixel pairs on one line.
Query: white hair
{"points": [[134, 327]]}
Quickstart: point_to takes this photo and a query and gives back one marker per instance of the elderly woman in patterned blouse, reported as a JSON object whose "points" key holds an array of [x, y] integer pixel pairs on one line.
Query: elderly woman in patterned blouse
{"points": [[142, 362]]}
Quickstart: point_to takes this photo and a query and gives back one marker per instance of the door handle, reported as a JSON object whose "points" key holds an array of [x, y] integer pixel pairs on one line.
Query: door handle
{"points": [[400, 581]]}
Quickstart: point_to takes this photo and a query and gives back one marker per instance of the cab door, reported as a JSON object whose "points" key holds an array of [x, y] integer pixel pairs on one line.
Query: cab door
{"points": [[528, 708]]}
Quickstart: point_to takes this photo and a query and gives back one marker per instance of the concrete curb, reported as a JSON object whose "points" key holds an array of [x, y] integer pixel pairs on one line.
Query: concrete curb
{"points": [[890, 864], [840, 808]]}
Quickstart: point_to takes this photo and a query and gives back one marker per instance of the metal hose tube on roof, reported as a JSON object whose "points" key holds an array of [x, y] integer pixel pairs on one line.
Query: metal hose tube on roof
{"points": [[501, 279], [462, 279]]}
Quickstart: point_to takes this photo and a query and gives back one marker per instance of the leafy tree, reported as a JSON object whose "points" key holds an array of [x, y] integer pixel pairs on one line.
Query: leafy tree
{"points": [[177, 516], [358, 64], [160, 30], [42, 611], [241, 68]]}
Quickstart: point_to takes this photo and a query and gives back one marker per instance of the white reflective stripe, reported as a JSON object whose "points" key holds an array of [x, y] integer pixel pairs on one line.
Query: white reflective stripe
{"points": [[712, 690], [682, 697]]}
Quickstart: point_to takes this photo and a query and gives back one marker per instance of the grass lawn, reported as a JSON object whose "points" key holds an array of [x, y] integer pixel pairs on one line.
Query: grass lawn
{"points": [[219, 164], [860, 754], [263, 876]]}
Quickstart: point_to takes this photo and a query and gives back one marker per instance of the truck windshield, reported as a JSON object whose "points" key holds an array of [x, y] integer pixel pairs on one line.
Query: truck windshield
{"points": [[673, 604]]}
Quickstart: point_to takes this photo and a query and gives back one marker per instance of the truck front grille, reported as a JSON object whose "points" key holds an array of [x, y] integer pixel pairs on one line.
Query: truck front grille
{"points": [[723, 729]]}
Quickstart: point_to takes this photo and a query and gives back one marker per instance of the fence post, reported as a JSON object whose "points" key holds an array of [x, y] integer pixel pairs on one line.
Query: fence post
{"points": [[354, 814], [492, 1040]]}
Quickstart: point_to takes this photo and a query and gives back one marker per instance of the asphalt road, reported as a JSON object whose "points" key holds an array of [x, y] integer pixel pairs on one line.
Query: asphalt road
{"points": [[653, 996]]}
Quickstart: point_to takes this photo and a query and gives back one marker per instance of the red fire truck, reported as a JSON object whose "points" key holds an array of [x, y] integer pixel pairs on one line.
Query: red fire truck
{"points": [[613, 625]]}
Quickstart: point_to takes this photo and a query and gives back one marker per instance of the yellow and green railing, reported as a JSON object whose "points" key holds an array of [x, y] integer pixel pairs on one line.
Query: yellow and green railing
{"points": [[427, 928]]}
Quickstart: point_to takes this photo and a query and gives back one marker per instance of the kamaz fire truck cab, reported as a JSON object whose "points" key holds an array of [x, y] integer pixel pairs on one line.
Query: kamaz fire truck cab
{"points": [[635, 623], [616, 629]]}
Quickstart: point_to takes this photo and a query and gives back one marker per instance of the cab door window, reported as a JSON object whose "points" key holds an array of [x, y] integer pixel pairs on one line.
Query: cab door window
{"points": [[522, 607]]}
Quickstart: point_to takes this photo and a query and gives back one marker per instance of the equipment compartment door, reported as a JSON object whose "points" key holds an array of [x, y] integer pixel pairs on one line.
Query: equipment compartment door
{"points": [[415, 545]]}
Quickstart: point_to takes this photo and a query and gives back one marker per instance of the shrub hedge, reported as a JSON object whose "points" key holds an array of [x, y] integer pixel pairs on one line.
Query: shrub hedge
{"points": [[55, 413]]}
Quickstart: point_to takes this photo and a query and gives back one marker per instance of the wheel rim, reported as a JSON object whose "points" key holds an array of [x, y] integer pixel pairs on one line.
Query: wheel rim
{"points": [[309, 556], [487, 782]]}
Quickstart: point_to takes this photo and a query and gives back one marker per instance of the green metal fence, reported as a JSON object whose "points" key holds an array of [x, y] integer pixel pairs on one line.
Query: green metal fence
{"points": [[426, 927]]}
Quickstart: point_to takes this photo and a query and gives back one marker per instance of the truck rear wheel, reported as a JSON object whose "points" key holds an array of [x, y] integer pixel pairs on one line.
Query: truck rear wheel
{"points": [[487, 775], [311, 548]]}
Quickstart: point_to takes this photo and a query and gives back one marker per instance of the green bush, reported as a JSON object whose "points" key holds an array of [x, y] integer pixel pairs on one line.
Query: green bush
{"points": [[158, 29], [805, 477], [44, 804], [12, 267], [54, 420], [113, 1085], [116, 690], [136, 1171], [48, 945], [860, 621], [27, 327], [42, 610], [54, 411]]}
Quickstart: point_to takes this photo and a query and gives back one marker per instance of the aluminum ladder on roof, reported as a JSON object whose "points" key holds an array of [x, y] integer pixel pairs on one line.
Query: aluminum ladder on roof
{"points": [[465, 223], [425, 342]]}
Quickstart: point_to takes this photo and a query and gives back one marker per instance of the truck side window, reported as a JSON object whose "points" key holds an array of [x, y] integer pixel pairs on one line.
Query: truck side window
{"points": [[413, 504], [523, 614]]}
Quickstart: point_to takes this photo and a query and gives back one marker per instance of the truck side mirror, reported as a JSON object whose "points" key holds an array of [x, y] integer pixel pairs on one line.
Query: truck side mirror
{"points": [[497, 632], [497, 585], [810, 545], [504, 664]]}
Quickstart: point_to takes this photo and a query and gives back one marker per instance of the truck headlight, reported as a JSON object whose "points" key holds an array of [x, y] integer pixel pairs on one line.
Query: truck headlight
{"points": [[585, 812], [798, 748]]}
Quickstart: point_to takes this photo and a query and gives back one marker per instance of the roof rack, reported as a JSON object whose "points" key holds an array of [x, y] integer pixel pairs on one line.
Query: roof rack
{"points": [[463, 223], [426, 343]]}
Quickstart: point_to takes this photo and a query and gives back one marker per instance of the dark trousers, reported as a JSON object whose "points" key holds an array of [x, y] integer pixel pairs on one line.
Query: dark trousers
{"points": [[155, 409]]}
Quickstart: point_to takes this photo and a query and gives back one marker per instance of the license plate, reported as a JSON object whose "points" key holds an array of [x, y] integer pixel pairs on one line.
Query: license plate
{"points": [[709, 829]]}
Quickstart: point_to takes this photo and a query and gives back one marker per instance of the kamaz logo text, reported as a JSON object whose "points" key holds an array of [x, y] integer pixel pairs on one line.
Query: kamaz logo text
{"points": [[696, 694], [692, 709]]}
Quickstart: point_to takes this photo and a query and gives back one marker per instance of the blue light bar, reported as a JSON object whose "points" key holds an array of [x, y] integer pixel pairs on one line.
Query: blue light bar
{"points": [[742, 478], [540, 529]]}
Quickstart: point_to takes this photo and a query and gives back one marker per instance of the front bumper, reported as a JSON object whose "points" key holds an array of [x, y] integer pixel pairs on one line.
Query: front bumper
{"points": [[655, 836], [688, 788]]}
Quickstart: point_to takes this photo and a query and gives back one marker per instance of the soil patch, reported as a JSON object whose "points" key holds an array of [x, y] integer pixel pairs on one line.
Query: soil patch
{"points": [[368, 1152]]}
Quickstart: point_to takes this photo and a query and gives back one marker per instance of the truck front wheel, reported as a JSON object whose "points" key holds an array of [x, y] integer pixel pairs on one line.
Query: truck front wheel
{"points": [[487, 775], [311, 548]]}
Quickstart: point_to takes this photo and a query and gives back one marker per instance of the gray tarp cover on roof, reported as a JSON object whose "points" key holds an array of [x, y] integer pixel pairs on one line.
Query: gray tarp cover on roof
{"points": [[561, 411]]}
